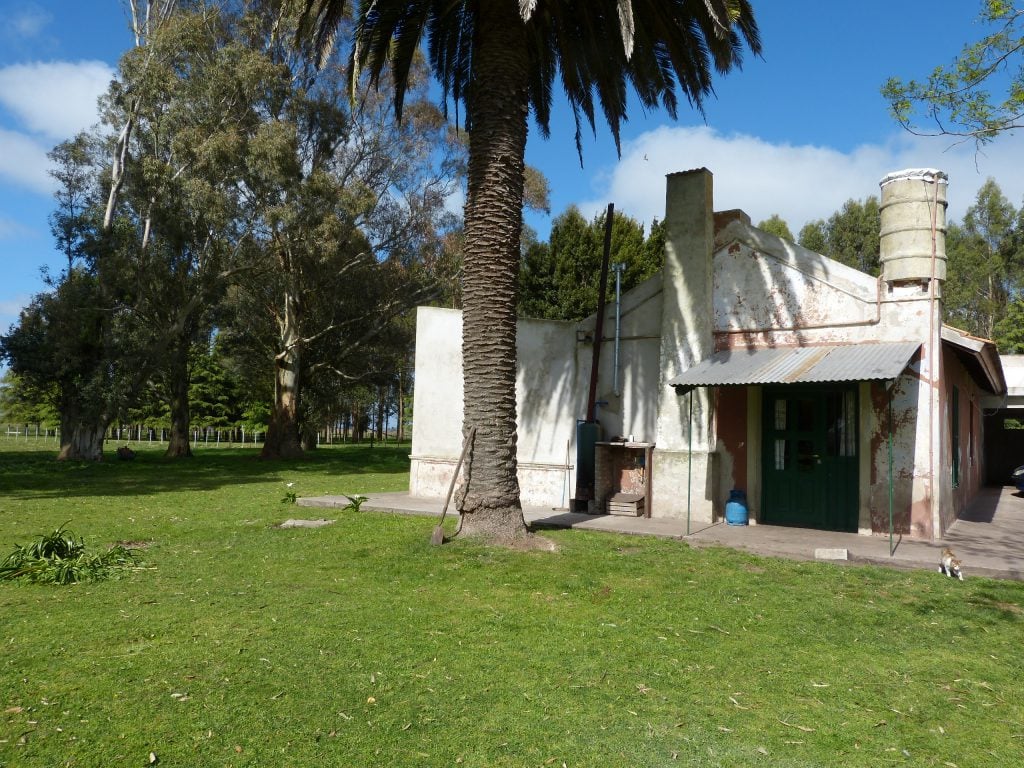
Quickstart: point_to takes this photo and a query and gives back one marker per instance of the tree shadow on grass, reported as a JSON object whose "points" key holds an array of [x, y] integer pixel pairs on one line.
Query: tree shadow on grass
{"points": [[35, 474]]}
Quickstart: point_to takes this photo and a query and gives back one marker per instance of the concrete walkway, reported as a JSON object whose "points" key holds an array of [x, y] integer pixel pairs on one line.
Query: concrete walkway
{"points": [[989, 538]]}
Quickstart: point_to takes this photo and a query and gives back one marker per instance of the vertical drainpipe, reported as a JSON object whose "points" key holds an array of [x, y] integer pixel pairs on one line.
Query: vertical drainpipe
{"points": [[599, 325], [889, 390], [689, 461]]}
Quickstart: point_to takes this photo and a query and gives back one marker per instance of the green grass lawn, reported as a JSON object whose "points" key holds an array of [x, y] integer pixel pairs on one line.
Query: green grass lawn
{"points": [[359, 644]]}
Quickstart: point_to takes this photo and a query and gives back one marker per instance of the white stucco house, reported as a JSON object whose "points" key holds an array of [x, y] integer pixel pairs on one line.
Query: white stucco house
{"points": [[832, 398]]}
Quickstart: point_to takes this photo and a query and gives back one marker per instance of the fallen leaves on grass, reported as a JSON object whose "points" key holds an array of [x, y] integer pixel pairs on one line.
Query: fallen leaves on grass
{"points": [[803, 728]]}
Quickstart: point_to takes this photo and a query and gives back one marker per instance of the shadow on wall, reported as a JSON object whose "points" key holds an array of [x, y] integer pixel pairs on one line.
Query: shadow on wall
{"points": [[771, 292], [554, 378], [551, 390]]}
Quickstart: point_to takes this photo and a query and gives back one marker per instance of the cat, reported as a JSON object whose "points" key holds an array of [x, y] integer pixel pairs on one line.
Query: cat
{"points": [[951, 565]]}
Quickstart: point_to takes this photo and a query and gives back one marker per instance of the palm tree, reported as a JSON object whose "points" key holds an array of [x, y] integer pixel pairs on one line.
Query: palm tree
{"points": [[499, 59]]}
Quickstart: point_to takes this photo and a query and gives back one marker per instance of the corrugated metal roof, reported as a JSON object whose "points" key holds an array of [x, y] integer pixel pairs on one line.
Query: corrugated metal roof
{"points": [[798, 365]]}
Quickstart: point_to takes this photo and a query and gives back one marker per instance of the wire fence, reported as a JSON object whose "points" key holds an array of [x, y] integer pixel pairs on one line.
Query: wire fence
{"points": [[138, 433], [207, 437]]}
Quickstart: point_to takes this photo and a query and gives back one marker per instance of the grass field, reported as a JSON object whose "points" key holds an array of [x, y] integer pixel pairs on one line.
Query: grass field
{"points": [[359, 644]]}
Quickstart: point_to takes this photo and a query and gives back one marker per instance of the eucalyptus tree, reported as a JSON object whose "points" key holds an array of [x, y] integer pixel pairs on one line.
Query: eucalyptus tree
{"points": [[346, 202], [850, 235], [63, 348], [980, 94], [194, 96], [499, 60], [776, 225], [67, 343], [986, 263]]}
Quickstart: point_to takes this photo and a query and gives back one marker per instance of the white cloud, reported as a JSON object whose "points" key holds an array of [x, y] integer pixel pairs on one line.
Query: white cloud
{"points": [[23, 161], [10, 310], [26, 23], [54, 99], [51, 101], [800, 183], [12, 305], [11, 228]]}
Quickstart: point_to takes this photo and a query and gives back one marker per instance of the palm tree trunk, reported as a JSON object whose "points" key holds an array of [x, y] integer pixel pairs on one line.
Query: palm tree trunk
{"points": [[489, 497]]}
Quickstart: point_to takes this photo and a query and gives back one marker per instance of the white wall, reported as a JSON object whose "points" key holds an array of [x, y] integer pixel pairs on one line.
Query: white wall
{"points": [[553, 376]]}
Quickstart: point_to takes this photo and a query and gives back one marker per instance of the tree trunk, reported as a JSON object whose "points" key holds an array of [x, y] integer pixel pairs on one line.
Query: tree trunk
{"points": [[489, 496], [81, 439], [283, 440], [179, 444], [380, 413], [400, 429], [308, 440]]}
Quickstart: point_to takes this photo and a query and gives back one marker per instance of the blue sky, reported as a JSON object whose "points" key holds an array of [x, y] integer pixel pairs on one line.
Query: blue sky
{"points": [[796, 133]]}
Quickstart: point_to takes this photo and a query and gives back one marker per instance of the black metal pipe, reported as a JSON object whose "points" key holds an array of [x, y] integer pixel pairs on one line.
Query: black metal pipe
{"points": [[599, 326]]}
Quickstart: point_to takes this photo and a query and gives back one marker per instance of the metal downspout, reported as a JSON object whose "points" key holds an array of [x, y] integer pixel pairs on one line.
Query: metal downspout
{"points": [[889, 390], [689, 461]]}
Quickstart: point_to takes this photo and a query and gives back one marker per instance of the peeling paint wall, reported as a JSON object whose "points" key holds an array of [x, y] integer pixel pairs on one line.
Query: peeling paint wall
{"points": [[631, 411], [911, 516], [765, 283], [771, 293]]}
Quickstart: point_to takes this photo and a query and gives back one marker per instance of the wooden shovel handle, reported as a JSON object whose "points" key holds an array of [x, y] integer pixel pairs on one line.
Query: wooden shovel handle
{"points": [[455, 476]]}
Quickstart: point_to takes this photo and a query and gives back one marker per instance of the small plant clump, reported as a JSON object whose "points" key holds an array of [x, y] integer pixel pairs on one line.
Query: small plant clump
{"points": [[60, 558], [354, 502], [290, 497]]}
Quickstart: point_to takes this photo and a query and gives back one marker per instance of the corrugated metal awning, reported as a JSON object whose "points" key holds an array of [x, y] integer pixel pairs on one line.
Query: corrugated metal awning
{"points": [[799, 365]]}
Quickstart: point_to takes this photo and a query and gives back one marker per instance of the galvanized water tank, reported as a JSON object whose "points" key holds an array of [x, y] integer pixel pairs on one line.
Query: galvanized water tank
{"points": [[913, 229]]}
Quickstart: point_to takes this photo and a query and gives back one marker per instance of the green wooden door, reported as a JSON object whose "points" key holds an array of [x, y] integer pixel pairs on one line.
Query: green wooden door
{"points": [[810, 468]]}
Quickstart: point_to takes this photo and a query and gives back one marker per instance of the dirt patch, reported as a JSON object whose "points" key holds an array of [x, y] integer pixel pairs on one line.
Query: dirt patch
{"points": [[136, 544]]}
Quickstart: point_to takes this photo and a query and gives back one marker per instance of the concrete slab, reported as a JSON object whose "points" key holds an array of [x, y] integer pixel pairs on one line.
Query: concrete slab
{"points": [[989, 538], [831, 553]]}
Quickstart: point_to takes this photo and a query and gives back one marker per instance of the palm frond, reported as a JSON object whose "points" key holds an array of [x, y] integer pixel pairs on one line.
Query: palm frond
{"points": [[594, 49], [319, 22]]}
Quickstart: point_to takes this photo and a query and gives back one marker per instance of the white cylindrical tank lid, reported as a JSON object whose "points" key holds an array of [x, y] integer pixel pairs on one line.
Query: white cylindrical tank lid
{"points": [[908, 174]]}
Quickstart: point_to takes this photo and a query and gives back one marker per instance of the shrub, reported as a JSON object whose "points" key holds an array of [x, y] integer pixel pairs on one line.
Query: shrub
{"points": [[60, 558]]}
